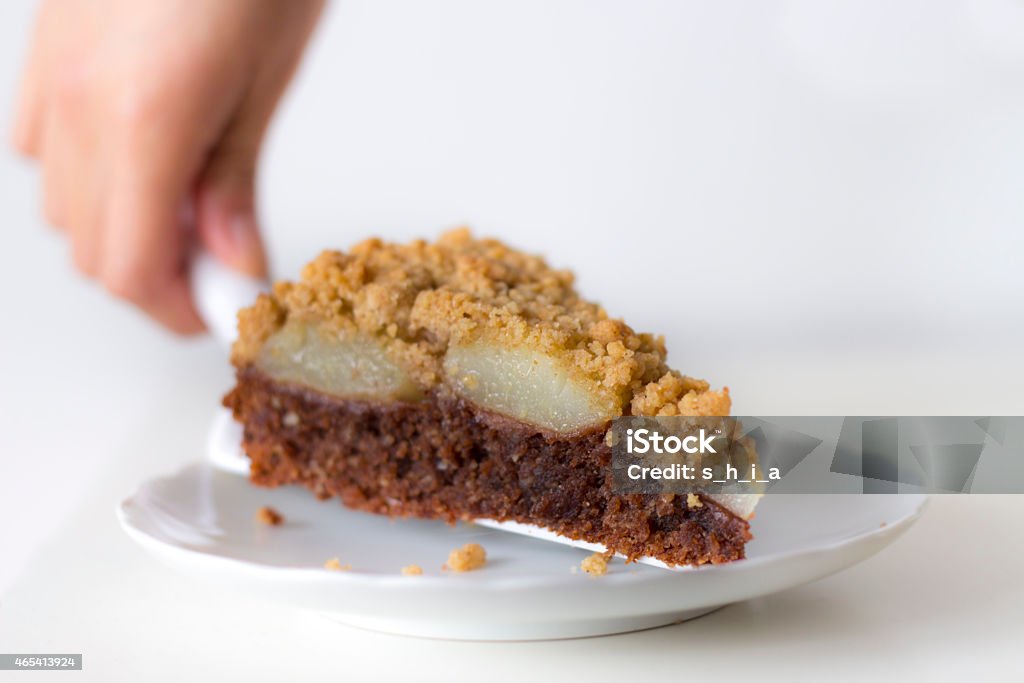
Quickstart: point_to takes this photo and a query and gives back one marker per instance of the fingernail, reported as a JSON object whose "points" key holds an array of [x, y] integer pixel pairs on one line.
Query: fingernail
{"points": [[247, 245]]}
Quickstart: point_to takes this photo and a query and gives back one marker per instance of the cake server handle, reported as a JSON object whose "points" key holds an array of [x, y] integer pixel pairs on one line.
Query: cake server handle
{"points": [[219, 293]]}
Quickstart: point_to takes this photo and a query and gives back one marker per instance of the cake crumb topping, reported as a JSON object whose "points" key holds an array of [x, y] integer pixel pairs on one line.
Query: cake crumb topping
{"points": [[412, 570], [693, 501], [269, 516], [417, 299], [334, 564], [467, 558], [595, 565]]}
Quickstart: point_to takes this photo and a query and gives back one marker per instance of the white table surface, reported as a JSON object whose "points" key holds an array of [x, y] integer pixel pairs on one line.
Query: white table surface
{"points": [[93, 399]]}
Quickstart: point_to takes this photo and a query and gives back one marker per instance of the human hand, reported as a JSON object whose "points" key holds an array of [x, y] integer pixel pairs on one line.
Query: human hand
{"points": [[147, 118]]}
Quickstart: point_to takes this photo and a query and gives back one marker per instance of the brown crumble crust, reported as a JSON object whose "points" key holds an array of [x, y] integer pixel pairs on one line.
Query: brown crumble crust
{"points": [[269, 516], [412, 570], [595, 565], [467, 558], [335, 565], [417, 299]]}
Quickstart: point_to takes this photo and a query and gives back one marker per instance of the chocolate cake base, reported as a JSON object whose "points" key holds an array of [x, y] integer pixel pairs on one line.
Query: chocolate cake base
{"points": [[443, 458]]}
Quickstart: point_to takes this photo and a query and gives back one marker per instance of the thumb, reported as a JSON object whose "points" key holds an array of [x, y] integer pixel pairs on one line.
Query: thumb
{"points": [[225, 206]]}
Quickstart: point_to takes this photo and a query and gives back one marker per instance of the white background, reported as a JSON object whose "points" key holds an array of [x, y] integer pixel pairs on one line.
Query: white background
{"points": [[819, 204]]}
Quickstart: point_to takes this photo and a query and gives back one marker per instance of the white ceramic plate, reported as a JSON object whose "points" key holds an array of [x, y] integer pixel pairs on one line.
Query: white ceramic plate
{"points": [[201, 521]]}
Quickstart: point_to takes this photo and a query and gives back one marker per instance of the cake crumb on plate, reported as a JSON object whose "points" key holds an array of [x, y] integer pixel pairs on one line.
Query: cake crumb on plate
{"points": [[334, 564], [595, 565], [269, 516], [412, 570], [467, 558]]}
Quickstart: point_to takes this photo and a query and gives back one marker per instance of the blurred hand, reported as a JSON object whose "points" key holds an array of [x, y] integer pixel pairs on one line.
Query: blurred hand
{"points": [[147, 118]]}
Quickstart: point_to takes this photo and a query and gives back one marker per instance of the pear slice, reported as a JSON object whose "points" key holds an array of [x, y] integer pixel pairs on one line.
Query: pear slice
{"points": [[355, 367], [528, 385]]}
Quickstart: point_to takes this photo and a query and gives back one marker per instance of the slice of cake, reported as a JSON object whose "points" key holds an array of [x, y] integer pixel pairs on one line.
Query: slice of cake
{"points": [[466, 380]]}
